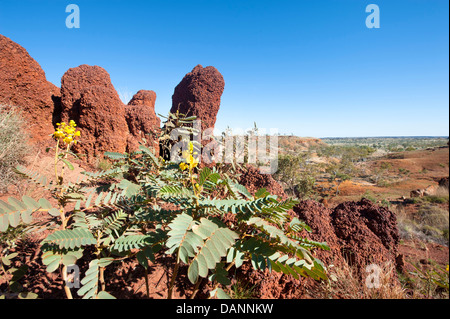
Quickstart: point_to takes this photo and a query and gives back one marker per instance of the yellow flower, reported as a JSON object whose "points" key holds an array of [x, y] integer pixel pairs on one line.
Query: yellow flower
{"points": [[191, 161], [67, 132]]}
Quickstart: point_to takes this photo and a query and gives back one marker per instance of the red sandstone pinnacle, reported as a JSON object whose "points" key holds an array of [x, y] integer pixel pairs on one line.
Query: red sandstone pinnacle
{"points": [[23, 84], [199, 94], [142, 120], [90, 99]]}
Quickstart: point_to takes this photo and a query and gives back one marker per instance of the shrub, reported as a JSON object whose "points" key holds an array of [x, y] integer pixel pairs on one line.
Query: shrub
{"points": [[436, 199], [202, 218], [13, 145], [297, 174]]}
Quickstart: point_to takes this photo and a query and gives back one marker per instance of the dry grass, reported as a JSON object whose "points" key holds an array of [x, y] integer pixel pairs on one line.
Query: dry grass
{"points": [[429, 223], [346, 284], [14, 145]]}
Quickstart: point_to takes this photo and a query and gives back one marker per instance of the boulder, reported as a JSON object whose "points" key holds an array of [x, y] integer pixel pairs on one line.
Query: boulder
{"points": [[318, 218], [358, 233], [23, 84]]}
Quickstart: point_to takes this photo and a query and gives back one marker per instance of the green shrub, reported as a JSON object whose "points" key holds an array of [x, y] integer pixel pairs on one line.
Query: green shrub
{"points": [[436, 199], [297, 174], [368, 195]]}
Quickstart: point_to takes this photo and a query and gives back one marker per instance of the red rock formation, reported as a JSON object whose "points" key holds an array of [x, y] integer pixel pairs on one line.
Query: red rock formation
{"points": [[23, 84], [199, 94], [318, 217], [145, 98], [89, 98], [367, 234], [359, 233], [77, 80], [142, 120], [253, 180]]}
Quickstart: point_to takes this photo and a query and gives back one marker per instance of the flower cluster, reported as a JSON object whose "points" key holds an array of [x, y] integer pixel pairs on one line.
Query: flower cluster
{"points": [[67, 132], [191, 161]]}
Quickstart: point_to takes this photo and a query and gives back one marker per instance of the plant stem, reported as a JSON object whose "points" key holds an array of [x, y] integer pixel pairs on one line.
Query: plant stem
{"points": [[102, 278], [197, 285], [147, 283], [56, 162], [172, 281], [66, 288]]}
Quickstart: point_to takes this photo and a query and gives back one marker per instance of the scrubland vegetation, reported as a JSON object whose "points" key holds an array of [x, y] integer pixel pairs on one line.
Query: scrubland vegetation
{"points": [[145, 207], [141, 207], [383, 170], [13, 145]]}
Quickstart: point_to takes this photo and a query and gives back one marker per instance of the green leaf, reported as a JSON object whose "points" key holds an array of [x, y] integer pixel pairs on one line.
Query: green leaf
{"points": [[71, 238], [75, 196], [217, 241], [68, 164], [27, 295], [68, 260], [105, 295], [53, 265], [45, 204], [115, 155], [219, 293], [54, 212]]}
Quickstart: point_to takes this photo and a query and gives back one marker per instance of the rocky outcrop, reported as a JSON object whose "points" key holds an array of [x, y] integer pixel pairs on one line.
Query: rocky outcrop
{"points": [[253, 180], [199, 94], [78, 80], [23, 84], [142, 120], [358, 233], [428, 191], [89, 98], [319, 219], [367, 234]]}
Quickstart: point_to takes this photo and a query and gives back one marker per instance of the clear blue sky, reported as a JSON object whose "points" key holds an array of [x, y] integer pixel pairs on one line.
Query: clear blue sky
{"points": [[311, 68]]}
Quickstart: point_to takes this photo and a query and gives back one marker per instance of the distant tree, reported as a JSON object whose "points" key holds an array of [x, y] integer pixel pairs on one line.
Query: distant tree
{"points": [[340, 172], [297, 173]]}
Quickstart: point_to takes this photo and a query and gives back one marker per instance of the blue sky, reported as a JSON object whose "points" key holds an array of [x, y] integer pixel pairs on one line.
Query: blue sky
{"points": [[311, 68]]}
